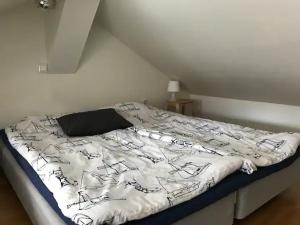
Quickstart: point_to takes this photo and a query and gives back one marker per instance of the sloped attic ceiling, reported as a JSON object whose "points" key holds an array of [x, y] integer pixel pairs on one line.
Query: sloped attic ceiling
{"points": [[237, 49], [7, 4]]}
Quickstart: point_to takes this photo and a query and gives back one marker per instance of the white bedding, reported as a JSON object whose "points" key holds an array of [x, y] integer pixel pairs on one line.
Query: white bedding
{"points": [[165, 159], [257, 148]]}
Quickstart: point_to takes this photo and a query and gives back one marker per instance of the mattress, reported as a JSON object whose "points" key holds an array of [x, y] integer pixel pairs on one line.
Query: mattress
{"points": [[171, 215]]}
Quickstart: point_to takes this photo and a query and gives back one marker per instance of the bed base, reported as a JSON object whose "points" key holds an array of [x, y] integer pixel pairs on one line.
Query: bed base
{"points": [[256, 194], [41, 213], [237, 205]]}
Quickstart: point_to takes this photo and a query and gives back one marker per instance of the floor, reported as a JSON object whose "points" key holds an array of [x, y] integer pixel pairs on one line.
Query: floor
{"points": [[11, 210], [282, 210]]}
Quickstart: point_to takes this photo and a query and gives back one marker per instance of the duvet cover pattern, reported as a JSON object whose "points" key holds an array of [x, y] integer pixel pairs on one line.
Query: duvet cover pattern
{"points": [[165, 159], [257, 148]]}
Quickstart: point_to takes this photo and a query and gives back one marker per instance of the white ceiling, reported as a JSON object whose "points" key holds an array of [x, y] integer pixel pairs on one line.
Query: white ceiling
{"points": [[238, 49]]}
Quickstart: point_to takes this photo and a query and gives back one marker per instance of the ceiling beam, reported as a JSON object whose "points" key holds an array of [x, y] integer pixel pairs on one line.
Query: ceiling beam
{"points": [[67, 29]]}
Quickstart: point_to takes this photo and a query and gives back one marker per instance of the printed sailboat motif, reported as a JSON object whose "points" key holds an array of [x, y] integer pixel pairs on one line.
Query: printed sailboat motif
{"points": [[96, 180], [176, 190]]}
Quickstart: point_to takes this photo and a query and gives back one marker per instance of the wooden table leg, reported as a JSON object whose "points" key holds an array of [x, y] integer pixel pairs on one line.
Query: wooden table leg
{"points": [[177, 107], [183, 110]]}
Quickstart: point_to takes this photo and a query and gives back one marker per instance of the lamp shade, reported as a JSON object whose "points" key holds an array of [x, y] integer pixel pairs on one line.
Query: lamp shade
{"points": [[173, 86]]}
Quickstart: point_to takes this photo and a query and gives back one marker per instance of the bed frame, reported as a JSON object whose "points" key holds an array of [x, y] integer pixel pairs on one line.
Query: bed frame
{"points": [[41, 213], [256, 194], [236, 205]]}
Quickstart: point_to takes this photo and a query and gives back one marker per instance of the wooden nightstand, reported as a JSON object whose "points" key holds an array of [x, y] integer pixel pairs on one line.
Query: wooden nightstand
{"points": [[179, 105]]}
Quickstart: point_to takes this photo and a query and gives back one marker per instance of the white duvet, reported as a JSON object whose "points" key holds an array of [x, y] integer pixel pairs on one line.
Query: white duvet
{"points": [[165, 159]]}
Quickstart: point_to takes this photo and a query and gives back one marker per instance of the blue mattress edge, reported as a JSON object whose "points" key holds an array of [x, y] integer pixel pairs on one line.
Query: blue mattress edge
{"points": [[227, 186]]}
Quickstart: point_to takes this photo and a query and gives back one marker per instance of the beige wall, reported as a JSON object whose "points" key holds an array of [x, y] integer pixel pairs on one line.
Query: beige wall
{"points": [[262, 115], [109, 72], [233, 49], [7, 4], [67, 28]]}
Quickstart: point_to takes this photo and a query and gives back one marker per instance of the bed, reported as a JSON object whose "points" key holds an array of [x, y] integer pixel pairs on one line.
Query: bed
{"points": [[234, 193], [242, 196], [213, 208]]}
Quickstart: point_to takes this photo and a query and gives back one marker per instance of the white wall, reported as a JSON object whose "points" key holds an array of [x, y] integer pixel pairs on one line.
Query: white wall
{"points": [[262, 115], [109, 72], [233, 49]]}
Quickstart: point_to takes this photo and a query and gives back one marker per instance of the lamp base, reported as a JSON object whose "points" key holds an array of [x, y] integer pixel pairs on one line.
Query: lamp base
{"points": [[173, 97]]}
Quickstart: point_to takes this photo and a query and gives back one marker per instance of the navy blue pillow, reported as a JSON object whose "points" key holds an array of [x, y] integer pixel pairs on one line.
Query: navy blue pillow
{"points": [[92, 122]]}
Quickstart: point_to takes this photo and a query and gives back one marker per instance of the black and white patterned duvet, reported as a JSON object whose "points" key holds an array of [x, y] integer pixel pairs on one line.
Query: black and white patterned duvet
{"points": [[165, 159]]}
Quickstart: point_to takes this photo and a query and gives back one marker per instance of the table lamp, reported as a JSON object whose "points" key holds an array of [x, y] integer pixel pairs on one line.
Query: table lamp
{"points": [[173, 88]]}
